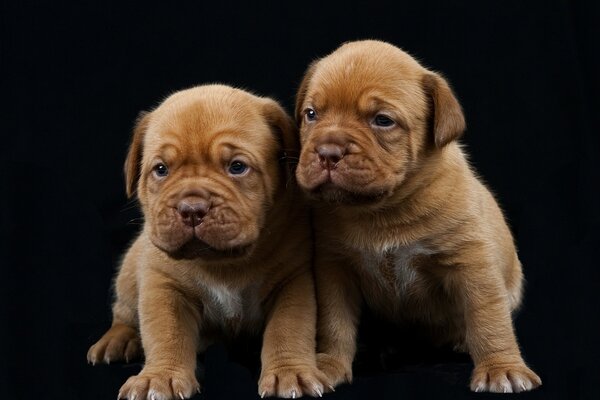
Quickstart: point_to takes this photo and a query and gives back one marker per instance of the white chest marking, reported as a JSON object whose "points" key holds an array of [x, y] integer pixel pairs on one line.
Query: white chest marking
{"points": [[403, 256], [233, 304], [227, 300], [400, 259]]}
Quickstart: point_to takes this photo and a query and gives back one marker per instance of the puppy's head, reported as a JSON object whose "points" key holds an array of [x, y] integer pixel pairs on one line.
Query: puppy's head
{"points": [[206, 166], [368, 115]]}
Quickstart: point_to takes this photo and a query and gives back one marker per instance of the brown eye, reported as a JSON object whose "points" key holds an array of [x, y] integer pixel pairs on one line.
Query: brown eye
{"points": [[161, 170], [237, 168], [383, 121], [311, 115]]}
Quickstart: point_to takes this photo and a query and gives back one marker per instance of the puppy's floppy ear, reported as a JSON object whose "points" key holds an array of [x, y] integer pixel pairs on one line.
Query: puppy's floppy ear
{"points": [[448, 119], [301, 95], [134, 155], [287, 134]]}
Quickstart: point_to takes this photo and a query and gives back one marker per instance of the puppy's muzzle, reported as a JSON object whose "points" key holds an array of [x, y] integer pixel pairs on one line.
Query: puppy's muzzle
{"points": [[192, 210], [330, 154]]}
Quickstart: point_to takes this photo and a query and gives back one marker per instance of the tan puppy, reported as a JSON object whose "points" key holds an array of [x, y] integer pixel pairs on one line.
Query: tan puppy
{"points": [[225, 246], [401, 216]]}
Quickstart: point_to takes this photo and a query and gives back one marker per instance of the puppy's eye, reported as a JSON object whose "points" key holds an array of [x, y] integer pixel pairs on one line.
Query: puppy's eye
{"points": [[237, 168], [161, 170], [311, 115], [383, 121]]}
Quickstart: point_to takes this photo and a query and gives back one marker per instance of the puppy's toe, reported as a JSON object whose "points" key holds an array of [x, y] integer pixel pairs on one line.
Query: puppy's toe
{"points": [[133, 350], [135, 388], [512, 378], [292, 382], [160, 384], [336, 370], [119, 343]]}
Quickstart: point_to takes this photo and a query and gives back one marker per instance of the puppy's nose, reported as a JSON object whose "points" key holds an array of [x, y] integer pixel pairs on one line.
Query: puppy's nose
{"points": [[330, 154], [193, 210]]}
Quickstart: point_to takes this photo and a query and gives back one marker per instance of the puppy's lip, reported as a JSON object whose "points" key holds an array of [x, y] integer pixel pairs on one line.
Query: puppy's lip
{"points": [[316, 180], [198, 249], [333, 193]]}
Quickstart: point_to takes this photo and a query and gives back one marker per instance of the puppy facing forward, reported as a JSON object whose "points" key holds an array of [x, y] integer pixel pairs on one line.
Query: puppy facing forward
{"points": [[225, 246], [401, 218]]}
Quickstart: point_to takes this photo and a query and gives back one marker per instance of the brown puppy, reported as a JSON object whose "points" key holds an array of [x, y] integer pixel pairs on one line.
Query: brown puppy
{"points": [[225, 246], [401, 217]]}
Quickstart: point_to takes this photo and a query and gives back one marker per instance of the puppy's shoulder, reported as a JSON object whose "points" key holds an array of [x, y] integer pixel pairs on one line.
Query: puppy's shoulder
{"points": [[144, 259]]}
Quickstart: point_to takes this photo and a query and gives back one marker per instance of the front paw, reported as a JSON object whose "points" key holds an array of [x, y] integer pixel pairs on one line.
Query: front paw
{"points": [[158, 383], [119, 343], [291, 382], [336, 370], [504, 378]]}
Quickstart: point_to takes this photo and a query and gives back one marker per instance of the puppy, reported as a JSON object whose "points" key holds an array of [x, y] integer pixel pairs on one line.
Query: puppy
{"points": [[225, 246], [400, 216]]}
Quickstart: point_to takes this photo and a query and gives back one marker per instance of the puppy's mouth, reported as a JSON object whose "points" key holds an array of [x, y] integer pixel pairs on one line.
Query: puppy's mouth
{"points": [[340, 183], [214, 237], [332, 193], [196, 248]]}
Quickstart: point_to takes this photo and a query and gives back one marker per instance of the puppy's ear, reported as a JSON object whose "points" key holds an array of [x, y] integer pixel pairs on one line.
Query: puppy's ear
{"points": [[134, 155], [301, 95], [287, 134], [448, 119]]}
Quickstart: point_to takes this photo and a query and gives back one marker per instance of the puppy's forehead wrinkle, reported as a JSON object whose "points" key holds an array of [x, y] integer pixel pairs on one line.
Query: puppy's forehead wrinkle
{"points": [[404, 99], [168, 150], [369, 68], [248, 149], [203, 110], [213, 146]]}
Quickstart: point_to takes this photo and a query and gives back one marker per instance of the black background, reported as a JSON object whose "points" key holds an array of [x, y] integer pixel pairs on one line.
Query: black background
{"points": [[74, 77]]}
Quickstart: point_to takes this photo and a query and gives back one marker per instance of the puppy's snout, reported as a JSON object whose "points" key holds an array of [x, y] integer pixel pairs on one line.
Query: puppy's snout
{"points": [[193, 210], [330, 154]]}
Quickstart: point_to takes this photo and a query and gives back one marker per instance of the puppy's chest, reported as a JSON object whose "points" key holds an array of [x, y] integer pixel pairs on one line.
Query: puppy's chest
{"points": [[232, 308], [394, 271]]}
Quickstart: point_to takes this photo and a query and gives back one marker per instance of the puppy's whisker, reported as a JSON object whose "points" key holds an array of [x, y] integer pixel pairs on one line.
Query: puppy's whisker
{"points": [[129, 205]]}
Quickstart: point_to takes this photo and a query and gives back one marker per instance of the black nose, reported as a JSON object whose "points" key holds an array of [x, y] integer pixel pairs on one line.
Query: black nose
{"points": [[330, 154], [193, 210]]}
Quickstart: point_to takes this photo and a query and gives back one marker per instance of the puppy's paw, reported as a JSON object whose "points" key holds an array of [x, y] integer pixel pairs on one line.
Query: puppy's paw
{"points": [[119, 343], [336, 370], [511, 378], [158, 383], [291, 382]]}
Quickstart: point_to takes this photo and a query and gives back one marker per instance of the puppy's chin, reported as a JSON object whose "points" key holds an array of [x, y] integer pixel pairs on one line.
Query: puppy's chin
{"points": [[331, 193], [197, 249]]}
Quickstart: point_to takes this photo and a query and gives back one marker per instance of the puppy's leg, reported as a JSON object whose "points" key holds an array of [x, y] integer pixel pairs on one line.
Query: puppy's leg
{"points": [[338, 299], [289, 367], [170, 331], [490, 338], [122, 341]]}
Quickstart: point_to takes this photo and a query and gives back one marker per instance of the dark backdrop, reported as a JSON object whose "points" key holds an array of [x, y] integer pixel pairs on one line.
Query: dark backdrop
{"points": [[74, 78]]}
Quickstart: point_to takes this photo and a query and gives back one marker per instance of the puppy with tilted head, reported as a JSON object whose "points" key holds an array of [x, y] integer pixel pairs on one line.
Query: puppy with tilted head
{"points": [[401, 219], [225, 246]]}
